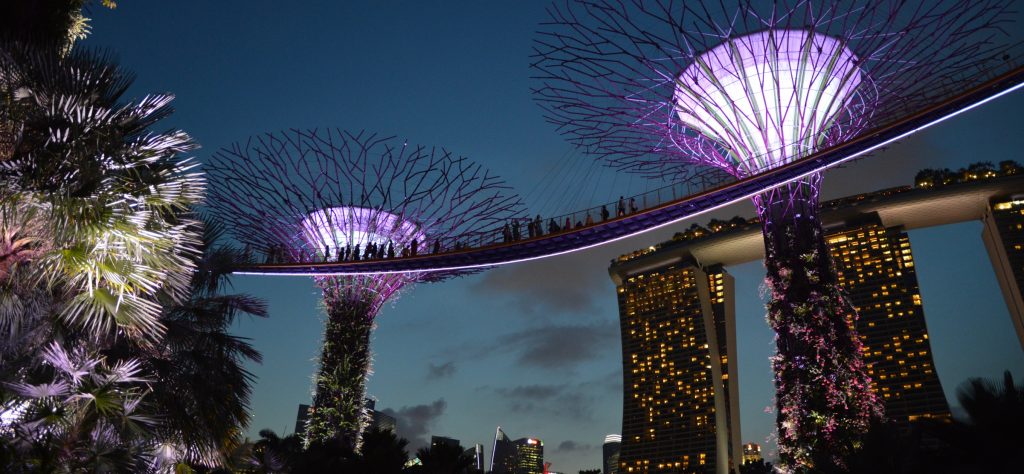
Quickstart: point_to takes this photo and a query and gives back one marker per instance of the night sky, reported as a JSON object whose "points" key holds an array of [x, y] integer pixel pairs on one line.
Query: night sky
{"points": [[532, 347]]}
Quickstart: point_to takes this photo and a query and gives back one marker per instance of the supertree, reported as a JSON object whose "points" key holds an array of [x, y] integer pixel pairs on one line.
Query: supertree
{"points": [[666, 88], [316, 195]]}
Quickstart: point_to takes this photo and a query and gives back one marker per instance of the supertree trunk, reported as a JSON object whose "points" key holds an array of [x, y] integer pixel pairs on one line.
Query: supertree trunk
{"points": [[824, 401], [337, 414]]}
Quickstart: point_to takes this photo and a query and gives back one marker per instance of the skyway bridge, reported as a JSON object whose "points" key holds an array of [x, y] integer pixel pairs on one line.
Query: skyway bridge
{"points": [[670, 205]]}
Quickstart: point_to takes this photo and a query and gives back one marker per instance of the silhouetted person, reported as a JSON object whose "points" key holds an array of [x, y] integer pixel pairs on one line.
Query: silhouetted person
{"points": [[604, 213], [515, 230], [391, 249], [437, 246], [355, 253], [632, 206], [506, 233], [622, 207], [552, 226], [538, 226], [414, 247], [529, 229]]}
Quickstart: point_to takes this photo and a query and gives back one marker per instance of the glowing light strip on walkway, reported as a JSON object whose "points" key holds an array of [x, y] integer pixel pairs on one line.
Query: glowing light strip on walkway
{"points": [[657, 226]]}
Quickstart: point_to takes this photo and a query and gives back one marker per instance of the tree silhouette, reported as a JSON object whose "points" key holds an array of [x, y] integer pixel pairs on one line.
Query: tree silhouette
{"points": [[443, 458]]}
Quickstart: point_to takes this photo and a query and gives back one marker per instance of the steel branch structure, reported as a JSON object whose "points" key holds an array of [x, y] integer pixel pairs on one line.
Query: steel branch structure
{"points": [[333, 195], [667, 88]]}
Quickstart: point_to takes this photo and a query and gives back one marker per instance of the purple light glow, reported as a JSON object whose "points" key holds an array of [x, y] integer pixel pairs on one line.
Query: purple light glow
{"points": [[665, 87], [767, 98], [349, 226], [310, 270]]}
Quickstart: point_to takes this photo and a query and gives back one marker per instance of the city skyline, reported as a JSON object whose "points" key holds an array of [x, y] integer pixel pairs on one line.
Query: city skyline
{"points": [[473, 366]]}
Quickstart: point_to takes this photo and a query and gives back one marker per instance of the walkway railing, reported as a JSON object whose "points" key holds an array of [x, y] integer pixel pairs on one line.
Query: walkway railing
{"points": [[634, 214]]}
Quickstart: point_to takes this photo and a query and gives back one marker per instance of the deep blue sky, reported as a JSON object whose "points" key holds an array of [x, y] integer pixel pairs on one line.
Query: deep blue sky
{"points": [[531, 347]]}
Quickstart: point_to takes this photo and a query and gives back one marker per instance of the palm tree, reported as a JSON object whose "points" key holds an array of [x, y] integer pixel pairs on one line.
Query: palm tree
{"points": [[443, 458], [992, 429], [96, 239], [112, 195], [200, 385], [89, 416], [381, 452], [274, 454]]}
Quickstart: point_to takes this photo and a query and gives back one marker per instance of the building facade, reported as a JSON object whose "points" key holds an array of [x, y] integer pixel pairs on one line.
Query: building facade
{"points": [[1003, 235], [444, 441], [875, 266], [610, 453], [522, 456], [503, 454], [678, 327], [529, 456], [300, 419], [751, 452], [477, 454]]}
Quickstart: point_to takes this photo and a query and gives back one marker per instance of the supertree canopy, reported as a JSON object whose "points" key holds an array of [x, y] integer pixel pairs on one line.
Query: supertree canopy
{"points": [[316, 195], [666, 88]]}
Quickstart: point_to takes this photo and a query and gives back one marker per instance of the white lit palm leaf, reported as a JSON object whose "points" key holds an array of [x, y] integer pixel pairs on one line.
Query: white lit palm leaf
{"points": [[115, 192]]}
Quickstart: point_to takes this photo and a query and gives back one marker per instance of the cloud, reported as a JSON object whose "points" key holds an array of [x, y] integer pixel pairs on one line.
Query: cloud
{"points": [[560, 346], [568, 446], [414, 422], [444, 370], [569, 284], [540, 392], [560, 401]]}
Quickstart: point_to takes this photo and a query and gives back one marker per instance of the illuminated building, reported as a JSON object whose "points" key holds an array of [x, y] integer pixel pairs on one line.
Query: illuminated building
{"points": [[751, 452], [678, 326], [1004, 239], [503, 454], [477, 454], [522, 456], [875, 266], [529, 456], [610, 451]]}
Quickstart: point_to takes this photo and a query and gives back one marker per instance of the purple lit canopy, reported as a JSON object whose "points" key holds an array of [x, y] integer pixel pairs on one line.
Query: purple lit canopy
{"points": [[666, 87], [766, 98], [348, 226], [306, 195]]}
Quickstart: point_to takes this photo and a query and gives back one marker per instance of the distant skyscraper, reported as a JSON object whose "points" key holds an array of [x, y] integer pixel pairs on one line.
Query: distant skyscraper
{"points": [[1004, 239], [381, 421], [443, 440], [876, 268], [477, 454], [503, 454], [679, 369], [300, 419], [610, 450], [529, 456], [751, 452], [378, 420], [522, 456]]}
